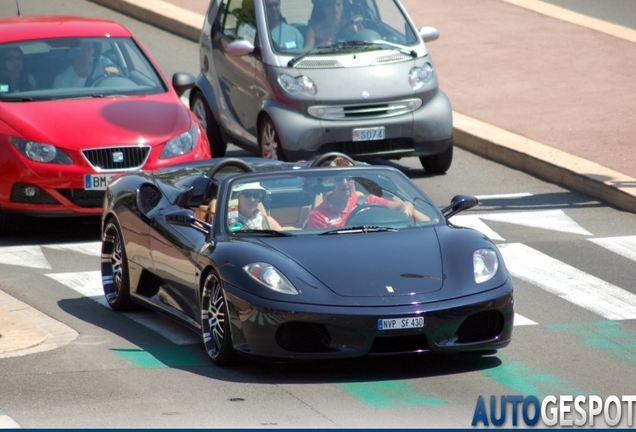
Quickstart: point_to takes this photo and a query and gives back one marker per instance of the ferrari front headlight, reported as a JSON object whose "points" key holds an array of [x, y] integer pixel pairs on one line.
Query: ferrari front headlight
{"points": [[40, 152], [181, 144], [269, 276], [485, 264]]}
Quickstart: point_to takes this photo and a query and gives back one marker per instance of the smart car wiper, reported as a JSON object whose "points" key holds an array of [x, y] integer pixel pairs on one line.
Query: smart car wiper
{"points": [[359, 229], [375, 43], [316, 50], [272, 233]]}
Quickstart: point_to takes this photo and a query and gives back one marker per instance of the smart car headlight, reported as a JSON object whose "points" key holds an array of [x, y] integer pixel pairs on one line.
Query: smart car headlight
{"points": [[420, 75], [39, 152], [297, 85], [269, 276], [485, 264], [181, 144]]}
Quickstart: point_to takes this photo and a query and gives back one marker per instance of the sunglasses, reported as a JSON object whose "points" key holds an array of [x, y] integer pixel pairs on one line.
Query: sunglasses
{"points": [[253, 194], [339, 179]]}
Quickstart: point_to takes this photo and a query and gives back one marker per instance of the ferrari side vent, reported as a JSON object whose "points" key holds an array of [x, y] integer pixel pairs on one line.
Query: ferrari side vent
{"points": [[303, 337], [148, 197], [482, 326]]}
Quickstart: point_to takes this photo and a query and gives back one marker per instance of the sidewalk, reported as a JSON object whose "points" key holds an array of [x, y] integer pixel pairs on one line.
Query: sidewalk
{"points": [[533, 86]]}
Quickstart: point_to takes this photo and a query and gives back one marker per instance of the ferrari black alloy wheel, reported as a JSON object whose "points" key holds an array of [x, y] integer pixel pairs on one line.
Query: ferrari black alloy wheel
{"points": [[115, 269], [215, 323]]}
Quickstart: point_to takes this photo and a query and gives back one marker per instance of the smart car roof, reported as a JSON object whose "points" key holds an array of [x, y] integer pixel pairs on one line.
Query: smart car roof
{"points": [[42, 26]]}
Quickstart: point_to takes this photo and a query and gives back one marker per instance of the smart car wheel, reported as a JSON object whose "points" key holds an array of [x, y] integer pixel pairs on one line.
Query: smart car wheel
{"points": [[439, 163], [268, 141], [202, 111], [115, 269], [215, 323]]}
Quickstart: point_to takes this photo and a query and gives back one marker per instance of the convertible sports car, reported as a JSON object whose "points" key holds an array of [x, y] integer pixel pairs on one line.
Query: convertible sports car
{"points": [[259, 257], [81, 100]]}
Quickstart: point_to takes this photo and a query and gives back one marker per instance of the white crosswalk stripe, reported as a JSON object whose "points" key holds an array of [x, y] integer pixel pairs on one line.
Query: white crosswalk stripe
{"points": [[89, 284], [569, 283]]}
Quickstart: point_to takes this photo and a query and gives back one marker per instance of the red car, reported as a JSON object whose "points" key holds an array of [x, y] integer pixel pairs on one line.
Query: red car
{"points": [[82, 100]]}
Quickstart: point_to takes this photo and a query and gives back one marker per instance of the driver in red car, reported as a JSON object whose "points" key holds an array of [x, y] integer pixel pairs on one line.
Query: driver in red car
{"points": [[341, 201]]}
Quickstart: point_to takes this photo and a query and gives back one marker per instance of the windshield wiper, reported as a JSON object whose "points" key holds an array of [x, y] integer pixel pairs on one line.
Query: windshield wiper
{"points": [[272, 233], [350, 44], [359, 229], [323, 49]]}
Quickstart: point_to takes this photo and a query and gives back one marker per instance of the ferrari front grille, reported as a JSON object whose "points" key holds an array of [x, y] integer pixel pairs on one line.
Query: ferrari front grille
{"points": [[303, 337], [117, 158], [400, 344], [482, 326], [364, 111]]}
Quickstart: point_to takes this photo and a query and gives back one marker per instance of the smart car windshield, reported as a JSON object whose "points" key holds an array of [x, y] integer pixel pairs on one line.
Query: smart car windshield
{"points": [[335, 201], [60, 68]]}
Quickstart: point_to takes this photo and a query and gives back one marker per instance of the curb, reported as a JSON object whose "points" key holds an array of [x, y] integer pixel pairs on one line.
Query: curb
{"points": [[25, 330], [470, 134]]}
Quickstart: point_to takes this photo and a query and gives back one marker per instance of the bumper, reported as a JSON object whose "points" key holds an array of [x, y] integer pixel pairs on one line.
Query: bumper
{"points": [[424, 132], [266, 329], [56, 190]]}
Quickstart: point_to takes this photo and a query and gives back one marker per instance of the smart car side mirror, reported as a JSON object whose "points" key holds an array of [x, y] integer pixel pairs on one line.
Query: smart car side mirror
{"points": [[182, 82], [459, 203], [429, 34], [240, 48]]}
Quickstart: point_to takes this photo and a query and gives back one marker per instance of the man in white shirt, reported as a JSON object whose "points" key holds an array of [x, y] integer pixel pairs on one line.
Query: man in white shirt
{"points": [[77, 73]]}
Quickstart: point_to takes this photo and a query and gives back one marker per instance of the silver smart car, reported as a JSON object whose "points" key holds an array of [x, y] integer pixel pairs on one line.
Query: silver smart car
{"points": [[292, 79]]}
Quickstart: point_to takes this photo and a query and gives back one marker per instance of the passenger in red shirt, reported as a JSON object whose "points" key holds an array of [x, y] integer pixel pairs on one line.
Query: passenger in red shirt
{"points": [[341, 201]]}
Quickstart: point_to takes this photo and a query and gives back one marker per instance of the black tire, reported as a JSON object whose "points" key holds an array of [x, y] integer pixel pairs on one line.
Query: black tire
{"points": [[115, 276], [7, 222], [215, 323], [202, 111], [439, 163], [268, 142]]}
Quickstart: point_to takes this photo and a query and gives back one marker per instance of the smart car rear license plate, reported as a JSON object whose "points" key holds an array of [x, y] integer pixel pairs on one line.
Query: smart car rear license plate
{"points": [[97, 181], [400, 323], [368, 134]]}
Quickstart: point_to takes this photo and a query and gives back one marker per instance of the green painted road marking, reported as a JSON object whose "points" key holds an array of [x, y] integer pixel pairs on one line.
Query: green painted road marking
{"points": [[389, 394], [610, 337], [519, 377], [161, 356]]}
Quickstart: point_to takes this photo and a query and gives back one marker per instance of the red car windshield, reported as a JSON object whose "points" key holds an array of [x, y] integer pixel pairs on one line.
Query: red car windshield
{"points": [[75, 67]]}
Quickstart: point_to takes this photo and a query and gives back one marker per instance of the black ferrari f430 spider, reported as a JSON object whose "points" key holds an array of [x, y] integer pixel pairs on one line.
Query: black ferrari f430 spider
{"points": [[306, 260]]}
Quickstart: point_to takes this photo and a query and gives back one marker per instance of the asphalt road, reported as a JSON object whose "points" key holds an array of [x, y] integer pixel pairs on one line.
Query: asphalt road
{"points": [[138, 370]]}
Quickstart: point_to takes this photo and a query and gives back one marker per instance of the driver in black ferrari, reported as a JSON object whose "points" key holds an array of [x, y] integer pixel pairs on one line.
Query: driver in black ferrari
{"points": [[341, 201]]}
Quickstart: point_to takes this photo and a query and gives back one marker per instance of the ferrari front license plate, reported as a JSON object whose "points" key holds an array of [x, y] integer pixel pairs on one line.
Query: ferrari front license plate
{"points": [[400, 323], [97, 181], [368, 134]]}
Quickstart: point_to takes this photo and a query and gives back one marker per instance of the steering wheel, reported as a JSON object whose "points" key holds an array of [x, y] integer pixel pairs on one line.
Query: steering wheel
{"points": [[350, 28], [113, 80], [230, 162], [329, 157], [374, 214]]}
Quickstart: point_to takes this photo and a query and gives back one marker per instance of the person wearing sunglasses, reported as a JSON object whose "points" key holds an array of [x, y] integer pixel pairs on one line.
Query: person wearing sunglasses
{"points": [[244, 208], [343, 198], [13, 78]]}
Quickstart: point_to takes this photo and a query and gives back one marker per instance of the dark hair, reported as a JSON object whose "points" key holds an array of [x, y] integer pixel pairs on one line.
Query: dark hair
{"points": [[23, 80], [317, 14]]}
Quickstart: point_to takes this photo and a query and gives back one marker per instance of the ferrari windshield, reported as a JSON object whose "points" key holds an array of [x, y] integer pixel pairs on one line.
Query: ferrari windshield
{"points": [[333, 201], [59, 68]]}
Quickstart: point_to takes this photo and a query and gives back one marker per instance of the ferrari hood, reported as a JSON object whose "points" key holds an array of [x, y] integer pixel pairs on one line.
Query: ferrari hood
{"points": [[370, 264], [90, 122]]}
